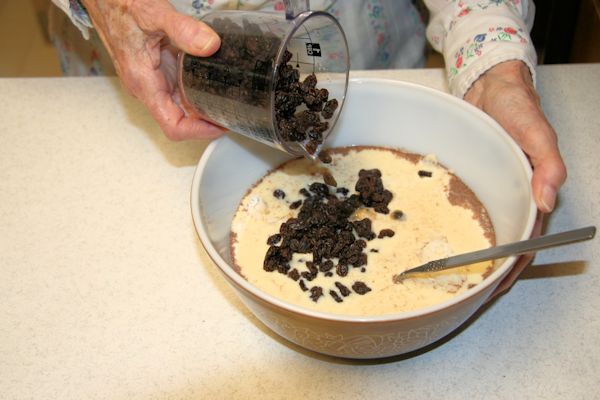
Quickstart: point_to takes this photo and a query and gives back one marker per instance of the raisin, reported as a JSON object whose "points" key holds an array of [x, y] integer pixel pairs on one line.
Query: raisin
{"points": [[309, 82], [325, 157], [311, 147], [302, 285], [274, 239], [329, 179], [341, 270], [312, 268], [397, 214], [362, 260], [315, 293], [360, 288], [371, 190], [363, 228], [386, 233], [319, 188], [329, 108], [279, 194], [294, 274], [277, 258], [343, 289], [335, 296], [309, 276], [425, 174], [287, 56], [326, 266]]}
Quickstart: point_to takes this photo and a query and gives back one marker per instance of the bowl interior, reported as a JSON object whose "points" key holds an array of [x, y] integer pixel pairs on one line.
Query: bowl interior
{"points": [[385, 113]]}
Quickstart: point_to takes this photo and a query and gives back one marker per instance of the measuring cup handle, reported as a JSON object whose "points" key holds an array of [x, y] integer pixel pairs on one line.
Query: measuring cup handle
{"points": [[295, 7]]}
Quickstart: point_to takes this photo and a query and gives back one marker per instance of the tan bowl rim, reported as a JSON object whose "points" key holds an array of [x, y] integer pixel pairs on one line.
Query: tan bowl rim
{"points": [[492, 279]]}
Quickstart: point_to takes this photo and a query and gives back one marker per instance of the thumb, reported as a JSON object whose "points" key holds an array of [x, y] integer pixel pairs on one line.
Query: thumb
{"points": [[549, 173], [186, 33], [192, 36]]}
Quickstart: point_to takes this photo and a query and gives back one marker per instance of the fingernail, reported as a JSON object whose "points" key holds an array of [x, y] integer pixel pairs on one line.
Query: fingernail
{"points": [[205, 42], [206, 38], [548, 198]]}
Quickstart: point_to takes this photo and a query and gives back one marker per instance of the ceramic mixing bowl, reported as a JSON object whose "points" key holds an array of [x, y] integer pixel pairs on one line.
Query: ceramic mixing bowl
{"points": [[383, 113]]}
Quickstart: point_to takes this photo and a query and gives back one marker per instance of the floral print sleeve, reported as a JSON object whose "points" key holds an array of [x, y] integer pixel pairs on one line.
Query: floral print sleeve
{"points": [[474, 36], [77, 14], [381, 34]]}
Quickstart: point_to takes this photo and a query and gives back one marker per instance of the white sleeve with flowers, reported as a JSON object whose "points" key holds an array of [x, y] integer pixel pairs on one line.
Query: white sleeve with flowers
{"points": [[475, 35], [77, 14]]}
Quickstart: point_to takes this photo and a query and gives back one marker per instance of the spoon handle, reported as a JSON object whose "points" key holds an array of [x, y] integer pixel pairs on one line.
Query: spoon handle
{"points": [[521, 247]]}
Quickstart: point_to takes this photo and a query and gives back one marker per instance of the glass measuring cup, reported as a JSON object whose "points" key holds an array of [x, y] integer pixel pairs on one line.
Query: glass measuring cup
{"points": [[278, 79]]}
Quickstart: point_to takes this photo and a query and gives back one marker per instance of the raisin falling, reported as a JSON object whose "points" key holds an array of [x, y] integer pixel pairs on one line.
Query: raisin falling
{"points": [[329, 179], [325, 157]]}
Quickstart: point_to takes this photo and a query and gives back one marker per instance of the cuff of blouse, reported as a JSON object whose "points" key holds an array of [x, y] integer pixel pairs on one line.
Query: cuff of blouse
{"points": [[467, 61], [460, 84], [80, 17]]}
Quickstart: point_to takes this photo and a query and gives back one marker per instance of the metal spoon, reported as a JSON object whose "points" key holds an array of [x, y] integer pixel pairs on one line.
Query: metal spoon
{"points": [[522, 247]]}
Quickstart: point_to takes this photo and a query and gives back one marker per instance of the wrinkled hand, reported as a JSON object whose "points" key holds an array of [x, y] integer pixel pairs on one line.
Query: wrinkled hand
{"points": [[139, 35], [507, 94]]}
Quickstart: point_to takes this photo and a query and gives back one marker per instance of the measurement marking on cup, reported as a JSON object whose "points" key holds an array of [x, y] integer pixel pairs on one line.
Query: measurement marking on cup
{"points": [[313, 49]]}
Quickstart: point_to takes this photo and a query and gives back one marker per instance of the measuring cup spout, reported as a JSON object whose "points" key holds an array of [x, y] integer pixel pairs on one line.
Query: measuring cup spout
{"points": [[295, 7]]}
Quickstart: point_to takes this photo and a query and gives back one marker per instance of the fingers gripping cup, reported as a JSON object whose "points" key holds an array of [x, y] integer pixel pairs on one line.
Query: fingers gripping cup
{"points": [[278, 80]]}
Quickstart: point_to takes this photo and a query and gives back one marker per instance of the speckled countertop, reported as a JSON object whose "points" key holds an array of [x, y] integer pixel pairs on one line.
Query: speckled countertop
{"points": [[106, 292]]}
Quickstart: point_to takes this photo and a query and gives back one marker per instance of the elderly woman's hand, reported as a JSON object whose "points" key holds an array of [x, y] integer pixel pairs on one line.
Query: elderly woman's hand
{"points": [[139, 36], [506, 93]]}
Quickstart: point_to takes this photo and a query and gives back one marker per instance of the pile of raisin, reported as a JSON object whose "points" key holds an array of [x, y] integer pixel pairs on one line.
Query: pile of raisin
{"points": [[323, 228]]}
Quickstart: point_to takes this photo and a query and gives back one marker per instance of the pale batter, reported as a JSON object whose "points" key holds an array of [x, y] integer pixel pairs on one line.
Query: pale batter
{"points": [[432, 214]]}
